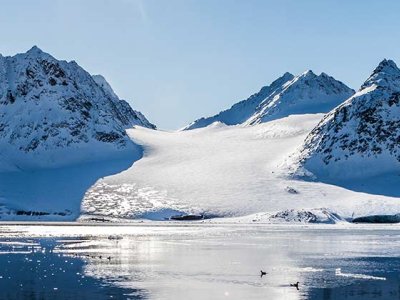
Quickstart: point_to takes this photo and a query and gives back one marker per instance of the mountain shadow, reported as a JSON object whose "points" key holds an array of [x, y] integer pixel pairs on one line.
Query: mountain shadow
{"points": [[53, 194]]}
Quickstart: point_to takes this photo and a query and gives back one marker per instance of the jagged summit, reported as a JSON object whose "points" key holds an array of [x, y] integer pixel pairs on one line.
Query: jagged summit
{"points": [[387, 66], [35, 50], [284, 78], [308, 73], [302, 94], [54, 113], [385, 74], [362, 136]]}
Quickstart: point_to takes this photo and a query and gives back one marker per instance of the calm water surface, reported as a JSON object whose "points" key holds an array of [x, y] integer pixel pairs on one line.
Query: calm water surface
{"points": [[165, 261]]}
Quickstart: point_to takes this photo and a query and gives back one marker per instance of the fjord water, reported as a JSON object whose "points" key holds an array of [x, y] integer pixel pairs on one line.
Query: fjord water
{"points": [[198, 261]]}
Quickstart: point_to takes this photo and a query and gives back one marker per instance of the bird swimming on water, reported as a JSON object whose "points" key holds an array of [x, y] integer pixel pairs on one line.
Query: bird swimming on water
{"points": [[296, 285]]}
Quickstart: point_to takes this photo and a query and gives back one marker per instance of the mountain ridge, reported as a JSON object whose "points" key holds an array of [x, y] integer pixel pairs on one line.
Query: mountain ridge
{"points": [[51, 107], [289, 94], [361, 136]]}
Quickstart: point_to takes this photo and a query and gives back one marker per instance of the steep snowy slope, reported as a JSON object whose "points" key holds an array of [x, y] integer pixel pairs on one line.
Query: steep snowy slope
{"points": [[288, 95], [53, 113], [244, 109], [361, 137], [307, 93]]}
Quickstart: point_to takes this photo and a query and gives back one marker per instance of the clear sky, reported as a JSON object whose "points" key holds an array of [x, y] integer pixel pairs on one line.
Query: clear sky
{"points": [[178, 60]]}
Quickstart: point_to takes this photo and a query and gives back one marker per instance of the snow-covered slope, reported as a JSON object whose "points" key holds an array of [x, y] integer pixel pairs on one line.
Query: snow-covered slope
{"points": [[288, 95], [244, 109], [226, 171], [361, 137], [53, 113], [307, 93], [229, 171]]}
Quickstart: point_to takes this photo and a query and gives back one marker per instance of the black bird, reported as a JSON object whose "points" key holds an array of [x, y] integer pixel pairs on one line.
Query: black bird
{"points": [[262, 273], [109, 258], [296, 285]]}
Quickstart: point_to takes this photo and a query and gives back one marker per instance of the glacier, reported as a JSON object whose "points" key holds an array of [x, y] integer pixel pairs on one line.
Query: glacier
{"points": [[245, 165]]}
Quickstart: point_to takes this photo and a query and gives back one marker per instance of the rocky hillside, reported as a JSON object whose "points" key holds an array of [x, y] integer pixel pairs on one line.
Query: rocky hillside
{"points": [[54, 113], [288, 95], [361, 137]]}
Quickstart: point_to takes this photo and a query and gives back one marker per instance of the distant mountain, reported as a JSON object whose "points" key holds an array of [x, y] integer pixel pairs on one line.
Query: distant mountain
{"points": [[288, 95], [54, 113], [244, 109], [361, 137]]}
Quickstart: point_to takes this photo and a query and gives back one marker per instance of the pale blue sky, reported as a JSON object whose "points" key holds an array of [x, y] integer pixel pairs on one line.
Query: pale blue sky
{"points": [[177, 60]]}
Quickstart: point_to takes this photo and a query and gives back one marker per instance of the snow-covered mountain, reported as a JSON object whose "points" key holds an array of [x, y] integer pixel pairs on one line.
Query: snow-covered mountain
{"points": [[244, 109], [54, 113], [361, 137], [288, 95]]}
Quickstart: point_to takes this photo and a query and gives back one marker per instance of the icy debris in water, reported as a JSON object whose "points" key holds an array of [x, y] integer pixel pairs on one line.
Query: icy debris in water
{"points": [[338, 272]]}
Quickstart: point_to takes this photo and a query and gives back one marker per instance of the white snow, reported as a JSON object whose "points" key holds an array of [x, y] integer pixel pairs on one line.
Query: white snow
{"points": [[226, 171], [242, 173], [53, 114], [359, 140], [306, 93]]}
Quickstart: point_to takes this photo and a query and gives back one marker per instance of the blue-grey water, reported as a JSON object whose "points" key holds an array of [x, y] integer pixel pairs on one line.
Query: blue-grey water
{"points": [[199, 261]]}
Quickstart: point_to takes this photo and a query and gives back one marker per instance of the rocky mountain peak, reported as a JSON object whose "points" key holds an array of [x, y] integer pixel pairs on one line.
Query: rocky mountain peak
{"points": [[386, 74], [361, 136], [387, 66], [50, 107]]}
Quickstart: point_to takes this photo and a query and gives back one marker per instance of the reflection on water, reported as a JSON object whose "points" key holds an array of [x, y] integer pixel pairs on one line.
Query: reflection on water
{"points": [[198, 262], [32, 270], [370, 278]]}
